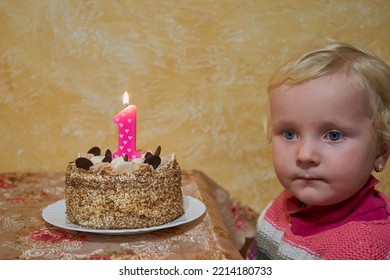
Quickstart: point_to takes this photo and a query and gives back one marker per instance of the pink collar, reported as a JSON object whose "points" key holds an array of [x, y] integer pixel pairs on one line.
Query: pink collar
{"points": [[365, 205]]}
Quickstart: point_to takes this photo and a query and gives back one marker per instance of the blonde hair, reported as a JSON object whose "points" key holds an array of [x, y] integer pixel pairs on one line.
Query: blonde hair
{"points": [[366, 69]]}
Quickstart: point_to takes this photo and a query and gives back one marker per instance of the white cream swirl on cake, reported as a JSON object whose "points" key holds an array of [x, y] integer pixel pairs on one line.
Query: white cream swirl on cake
{"points": [[102, 192]]}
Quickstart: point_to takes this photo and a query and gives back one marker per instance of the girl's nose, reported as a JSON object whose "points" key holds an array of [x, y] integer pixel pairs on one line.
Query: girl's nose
{"points": [[307, 154]]}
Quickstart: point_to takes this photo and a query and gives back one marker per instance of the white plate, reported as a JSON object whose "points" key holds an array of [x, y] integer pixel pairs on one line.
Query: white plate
{"points": [[55, 214]]}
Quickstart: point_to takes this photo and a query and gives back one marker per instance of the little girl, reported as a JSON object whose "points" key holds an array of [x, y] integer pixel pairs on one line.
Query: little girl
{"points": [[329, 129]]}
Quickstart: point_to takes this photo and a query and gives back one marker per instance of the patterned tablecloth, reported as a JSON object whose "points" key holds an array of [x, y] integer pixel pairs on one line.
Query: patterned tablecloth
{"points": [[218, 234]]}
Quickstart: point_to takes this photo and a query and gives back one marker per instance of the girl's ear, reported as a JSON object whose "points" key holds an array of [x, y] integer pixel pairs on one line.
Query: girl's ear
{"points": [[382, 157]]}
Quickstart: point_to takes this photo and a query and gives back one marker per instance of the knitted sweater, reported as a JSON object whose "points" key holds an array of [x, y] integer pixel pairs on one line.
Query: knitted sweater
{"points": [[367, 240]]}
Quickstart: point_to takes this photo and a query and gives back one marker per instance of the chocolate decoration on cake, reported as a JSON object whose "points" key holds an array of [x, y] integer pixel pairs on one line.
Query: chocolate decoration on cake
{"points": [[108, 153], [107, 159], [95, 151], [84, 163], [154, 160], [158, 151], [107, 156]]}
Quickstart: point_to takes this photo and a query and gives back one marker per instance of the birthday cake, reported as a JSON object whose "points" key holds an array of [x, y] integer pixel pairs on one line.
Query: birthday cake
{"points": [[106, 192]]}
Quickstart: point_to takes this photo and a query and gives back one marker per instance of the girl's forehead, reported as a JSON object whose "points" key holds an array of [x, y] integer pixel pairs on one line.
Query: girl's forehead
{"points": [[344, 84], [332, 92]]}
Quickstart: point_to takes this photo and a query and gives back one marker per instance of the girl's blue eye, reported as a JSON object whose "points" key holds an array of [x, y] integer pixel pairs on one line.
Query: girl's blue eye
{"points": [[334, 135], [289, 134]]}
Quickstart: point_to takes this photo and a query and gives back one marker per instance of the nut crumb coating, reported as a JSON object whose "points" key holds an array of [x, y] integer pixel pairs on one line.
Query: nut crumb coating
{"points": [[141, 199]]}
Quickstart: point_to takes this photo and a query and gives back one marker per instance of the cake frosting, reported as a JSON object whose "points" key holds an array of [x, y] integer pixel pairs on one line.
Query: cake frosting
{"points": [[117, 193]]}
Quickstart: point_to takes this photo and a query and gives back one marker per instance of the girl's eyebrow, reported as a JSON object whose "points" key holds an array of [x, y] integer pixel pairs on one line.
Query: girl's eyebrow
{"points": [[279, 124], [326, 124]]}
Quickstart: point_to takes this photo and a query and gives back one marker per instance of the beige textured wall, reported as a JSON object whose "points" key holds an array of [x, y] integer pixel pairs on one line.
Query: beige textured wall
{"points": [[197, 71]]}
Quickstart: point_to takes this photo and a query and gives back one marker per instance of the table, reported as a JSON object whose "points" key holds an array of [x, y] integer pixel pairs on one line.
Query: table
{"points": [[25, 235]]}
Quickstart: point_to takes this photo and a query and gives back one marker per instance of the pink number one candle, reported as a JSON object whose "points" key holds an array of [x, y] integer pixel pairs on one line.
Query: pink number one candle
{"points": [[127, 124]]}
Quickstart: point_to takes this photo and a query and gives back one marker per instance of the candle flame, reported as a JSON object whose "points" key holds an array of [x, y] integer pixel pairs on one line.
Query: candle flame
{"points": [[125, 99]]}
